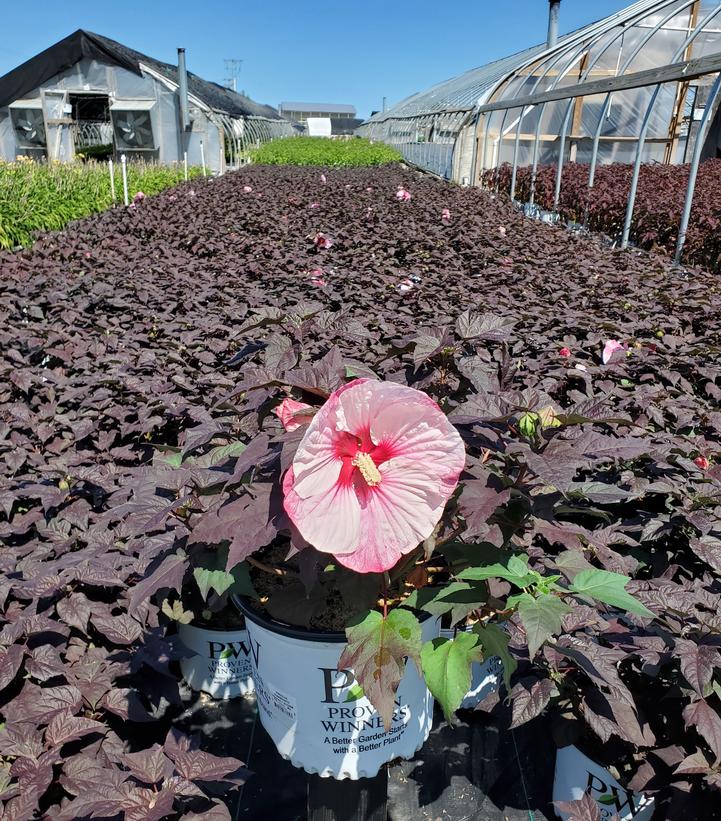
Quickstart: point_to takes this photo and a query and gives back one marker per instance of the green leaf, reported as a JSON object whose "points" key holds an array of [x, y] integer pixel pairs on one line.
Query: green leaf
{"points": [[473, 554], [608, 588], [457, 598], [494, 641], [520, 578], [208, 580], [171, 456], [541, 619], [376, 653], [176, 612], [518, 566], [242, 585], [222, 452], [5, 778], [528, 422], [354, 693], [447, 669]]}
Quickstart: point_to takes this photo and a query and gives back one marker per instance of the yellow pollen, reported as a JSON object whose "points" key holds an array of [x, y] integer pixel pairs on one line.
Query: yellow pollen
{"points": [[368, 469]]}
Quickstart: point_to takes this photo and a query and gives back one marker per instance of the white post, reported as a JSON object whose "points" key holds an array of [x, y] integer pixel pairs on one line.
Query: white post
{"points": [[111, 170], [202, 157], [185, 165], [124, 164]]}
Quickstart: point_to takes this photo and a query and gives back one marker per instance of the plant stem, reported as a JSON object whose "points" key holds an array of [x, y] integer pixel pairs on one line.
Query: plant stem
{"points": [[276, 571], [386, 585]]}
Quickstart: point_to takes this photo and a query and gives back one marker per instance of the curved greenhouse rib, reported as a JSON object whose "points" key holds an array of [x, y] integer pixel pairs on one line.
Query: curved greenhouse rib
{"points": [[465, 93], [607, 101], [621, 33], [586, 39], [647, 122], [575, 53], [697, 149], [677, 9]]}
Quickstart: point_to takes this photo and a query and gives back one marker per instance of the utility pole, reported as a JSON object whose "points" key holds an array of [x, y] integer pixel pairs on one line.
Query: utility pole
{"points": [[232, 72], [385, 100]]}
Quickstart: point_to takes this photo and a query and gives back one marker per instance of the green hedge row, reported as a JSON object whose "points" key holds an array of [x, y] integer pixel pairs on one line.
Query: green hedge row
{"points": [[46, 197], [324, 152]]}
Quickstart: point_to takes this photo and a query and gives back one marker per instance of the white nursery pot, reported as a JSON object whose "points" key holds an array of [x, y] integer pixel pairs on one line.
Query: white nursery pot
{"points": [[317, 714], [577, 774], [221, 667], [486, 677]]}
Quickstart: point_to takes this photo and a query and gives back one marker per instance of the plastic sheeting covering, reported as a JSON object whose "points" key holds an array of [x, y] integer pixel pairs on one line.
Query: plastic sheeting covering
{"points": [[648, 34]]}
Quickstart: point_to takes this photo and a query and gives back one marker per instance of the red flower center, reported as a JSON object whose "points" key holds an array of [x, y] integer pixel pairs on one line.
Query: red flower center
{"points": [[361, 458]]}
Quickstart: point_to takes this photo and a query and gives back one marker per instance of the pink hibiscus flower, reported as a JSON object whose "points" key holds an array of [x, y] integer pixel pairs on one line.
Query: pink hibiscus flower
{"points": [[139, 197], [502, 231], [293, 414], [610, 348], [702, 462], [446, 215], [247, 189], [564, 352], [322, 241], [372, 474], [402, 195]]}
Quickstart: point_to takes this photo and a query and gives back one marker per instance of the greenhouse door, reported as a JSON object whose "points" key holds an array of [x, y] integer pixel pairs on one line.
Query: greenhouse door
{"points": [[58, 125], [92, 128]]}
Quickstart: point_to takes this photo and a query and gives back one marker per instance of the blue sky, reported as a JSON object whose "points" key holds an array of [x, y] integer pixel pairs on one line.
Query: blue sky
{"points": [[311, 50]]}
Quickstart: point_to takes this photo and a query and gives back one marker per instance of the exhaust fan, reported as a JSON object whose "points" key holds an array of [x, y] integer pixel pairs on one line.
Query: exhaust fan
{"points": [[29, 126], [133, 128]]}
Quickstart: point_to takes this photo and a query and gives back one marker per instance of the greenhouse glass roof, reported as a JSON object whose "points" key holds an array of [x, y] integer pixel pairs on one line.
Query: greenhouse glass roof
{"points": [[504, 77]]}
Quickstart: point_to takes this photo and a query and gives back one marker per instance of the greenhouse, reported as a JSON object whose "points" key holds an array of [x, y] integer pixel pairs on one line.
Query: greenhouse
{"points": [[91, 95], [640, 86]]}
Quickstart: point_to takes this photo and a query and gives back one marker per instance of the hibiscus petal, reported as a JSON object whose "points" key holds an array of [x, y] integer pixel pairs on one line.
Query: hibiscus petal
{"points": [[318, 477], [609, 349], [395, 516], [426, 436], [330, 521], [355, 405], [316, 464]]}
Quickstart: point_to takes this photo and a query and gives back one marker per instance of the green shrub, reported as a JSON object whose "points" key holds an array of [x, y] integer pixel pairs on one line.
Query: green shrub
{"points": [[47, 196], [324, 152]]}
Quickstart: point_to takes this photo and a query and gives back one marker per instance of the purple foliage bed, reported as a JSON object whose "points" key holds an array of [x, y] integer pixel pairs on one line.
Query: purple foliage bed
{"points": [[160, 326], [657, 212]]}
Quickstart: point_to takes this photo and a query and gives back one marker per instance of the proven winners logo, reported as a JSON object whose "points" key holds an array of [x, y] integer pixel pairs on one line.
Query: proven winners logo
{"points": [[350, 726], [612, 800], [228, 659]]}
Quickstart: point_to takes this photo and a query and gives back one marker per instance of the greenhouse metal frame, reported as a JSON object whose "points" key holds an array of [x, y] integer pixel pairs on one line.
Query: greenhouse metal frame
{"points": [[640, 86]]}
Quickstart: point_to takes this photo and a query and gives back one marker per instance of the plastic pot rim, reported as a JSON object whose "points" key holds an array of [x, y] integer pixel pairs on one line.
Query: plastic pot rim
{"points": [[212, 629], [294, 631]]}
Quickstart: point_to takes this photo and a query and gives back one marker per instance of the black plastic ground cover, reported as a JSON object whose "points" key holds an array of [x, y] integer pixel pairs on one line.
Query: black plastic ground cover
{"points": [[471, 772]]}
